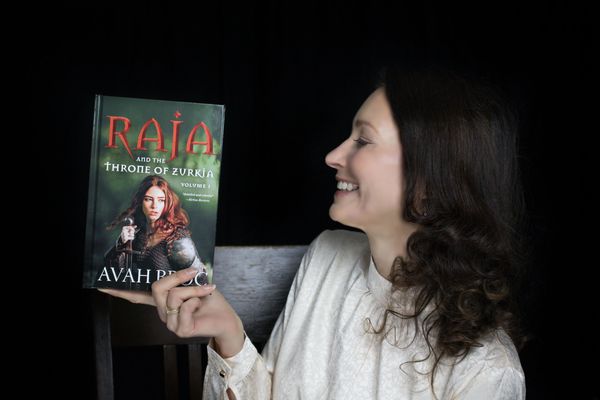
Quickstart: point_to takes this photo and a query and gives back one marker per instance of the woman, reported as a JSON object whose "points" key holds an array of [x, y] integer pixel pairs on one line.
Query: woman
{"points": [[419, 306], [160, 242]]}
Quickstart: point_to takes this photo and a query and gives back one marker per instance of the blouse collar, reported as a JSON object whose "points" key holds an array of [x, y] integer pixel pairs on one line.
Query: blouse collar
{"points": [[378, 285]]}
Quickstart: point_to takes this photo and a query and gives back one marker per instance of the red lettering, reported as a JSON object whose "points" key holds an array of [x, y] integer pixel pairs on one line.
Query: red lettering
{"points": [[175, 144], [112, 132], [142, 136], [208, 143]]}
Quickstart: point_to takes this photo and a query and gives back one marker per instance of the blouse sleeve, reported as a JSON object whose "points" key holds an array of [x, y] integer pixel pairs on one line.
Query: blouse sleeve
{"points": [[248, 374]]}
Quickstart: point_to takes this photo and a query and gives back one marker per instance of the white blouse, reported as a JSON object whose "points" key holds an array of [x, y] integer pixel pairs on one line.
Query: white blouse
{"points": [[322, 345]]}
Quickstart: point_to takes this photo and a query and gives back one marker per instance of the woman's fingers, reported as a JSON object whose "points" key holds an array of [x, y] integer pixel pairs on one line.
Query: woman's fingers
{"points": [[127, 233], [182, 303], [176, 296], [183, 323], [131, 295], [162, 288], [186, 310], [180, 295]]}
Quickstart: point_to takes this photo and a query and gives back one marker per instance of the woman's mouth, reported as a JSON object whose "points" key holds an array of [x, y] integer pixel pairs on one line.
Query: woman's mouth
{"points": [[346, 186]]}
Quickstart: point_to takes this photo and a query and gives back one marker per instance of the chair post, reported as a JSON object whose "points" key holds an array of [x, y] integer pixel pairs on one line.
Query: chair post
{"points": [[197, 360], [103, 346], [170, 371]]}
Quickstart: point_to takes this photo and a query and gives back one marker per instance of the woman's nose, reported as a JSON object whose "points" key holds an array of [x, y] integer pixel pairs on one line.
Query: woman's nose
{"points": [[335, 158]]}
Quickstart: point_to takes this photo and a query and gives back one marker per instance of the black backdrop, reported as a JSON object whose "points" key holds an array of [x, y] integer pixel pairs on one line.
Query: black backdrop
{"points": [[292, 77]]}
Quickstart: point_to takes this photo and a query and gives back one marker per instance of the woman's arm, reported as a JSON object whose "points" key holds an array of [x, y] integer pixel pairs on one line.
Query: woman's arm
{"points": [[234, 365], [248, 375], [194, 311]]}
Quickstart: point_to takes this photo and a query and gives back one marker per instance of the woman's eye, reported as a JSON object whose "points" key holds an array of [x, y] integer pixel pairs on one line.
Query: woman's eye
{"points": [[360, 142]]}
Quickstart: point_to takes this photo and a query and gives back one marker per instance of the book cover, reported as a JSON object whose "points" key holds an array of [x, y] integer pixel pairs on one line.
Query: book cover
{"points": [[153, 191]]}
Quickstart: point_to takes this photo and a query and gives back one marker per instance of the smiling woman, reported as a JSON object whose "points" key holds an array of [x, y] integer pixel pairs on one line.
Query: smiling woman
{"points": [[419, 305], [370, 160], [432, 161]]}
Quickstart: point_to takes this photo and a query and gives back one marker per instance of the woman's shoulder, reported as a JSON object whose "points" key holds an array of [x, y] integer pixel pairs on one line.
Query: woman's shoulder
{"points": [[496, 351], [341, 239], [330, 261], [492, 367], [497, 347], [336, 247], [339, 244], [181, 232]]}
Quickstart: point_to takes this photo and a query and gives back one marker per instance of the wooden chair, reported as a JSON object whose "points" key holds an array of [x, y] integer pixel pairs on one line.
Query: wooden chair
{"points": [[255, 280]]}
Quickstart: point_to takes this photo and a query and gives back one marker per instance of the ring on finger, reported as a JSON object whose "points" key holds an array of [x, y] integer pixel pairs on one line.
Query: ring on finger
{"points": [[172, 311]]}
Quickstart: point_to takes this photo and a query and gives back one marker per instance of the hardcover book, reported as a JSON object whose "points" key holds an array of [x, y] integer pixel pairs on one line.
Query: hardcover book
{"points": [[153, 191]]}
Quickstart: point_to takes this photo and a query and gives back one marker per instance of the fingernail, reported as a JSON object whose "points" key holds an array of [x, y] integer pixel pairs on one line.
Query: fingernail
{"points": [[191, 271], [210, 287]]}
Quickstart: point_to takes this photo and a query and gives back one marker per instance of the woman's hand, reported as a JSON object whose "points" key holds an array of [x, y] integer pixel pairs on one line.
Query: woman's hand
{"points": [[128, 233], [131, 296], [192, 311]]}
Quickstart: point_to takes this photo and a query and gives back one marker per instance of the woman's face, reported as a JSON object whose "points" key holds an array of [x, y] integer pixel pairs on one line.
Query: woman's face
{"points": [[369, 170], [153, 204]]}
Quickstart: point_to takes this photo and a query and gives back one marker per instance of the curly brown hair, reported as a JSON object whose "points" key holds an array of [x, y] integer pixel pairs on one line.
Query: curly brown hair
{"points": [[462, 187]]}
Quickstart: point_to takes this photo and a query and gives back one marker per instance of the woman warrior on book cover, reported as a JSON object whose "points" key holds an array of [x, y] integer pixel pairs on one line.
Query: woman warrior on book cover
{"points": [[155, 234]]}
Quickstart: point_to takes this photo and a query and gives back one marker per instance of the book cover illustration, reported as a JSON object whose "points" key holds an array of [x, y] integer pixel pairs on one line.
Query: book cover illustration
{"points": [[153, 191]]}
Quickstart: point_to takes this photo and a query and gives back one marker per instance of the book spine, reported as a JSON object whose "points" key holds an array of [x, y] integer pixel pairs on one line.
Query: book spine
{"points": [[88, 276], [214, 228]]}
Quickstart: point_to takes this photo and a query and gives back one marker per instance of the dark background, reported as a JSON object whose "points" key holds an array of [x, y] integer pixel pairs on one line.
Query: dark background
{"points": [[292, 77]]}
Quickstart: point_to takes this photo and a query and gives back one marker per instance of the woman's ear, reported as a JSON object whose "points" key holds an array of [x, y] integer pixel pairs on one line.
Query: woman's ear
{"points": [[421, 199], [422, 207]]}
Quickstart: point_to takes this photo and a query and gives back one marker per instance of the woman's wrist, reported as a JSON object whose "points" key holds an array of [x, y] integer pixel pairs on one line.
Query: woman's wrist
{"points": [[231, 343]]}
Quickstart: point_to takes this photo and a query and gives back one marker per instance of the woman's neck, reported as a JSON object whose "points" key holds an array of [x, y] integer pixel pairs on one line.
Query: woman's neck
{"points": [[387, 245], [150, 225]]}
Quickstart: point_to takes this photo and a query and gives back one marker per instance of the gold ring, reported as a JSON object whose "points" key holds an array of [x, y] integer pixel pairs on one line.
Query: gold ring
{"points": [[172, 311]]}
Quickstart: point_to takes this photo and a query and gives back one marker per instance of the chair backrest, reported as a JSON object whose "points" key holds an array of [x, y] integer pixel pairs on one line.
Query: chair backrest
{"points": [[255, 280]]}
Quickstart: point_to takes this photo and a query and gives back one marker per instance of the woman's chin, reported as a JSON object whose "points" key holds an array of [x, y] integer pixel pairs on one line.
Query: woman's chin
{"points": [[336, 215], [333, 214]]}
